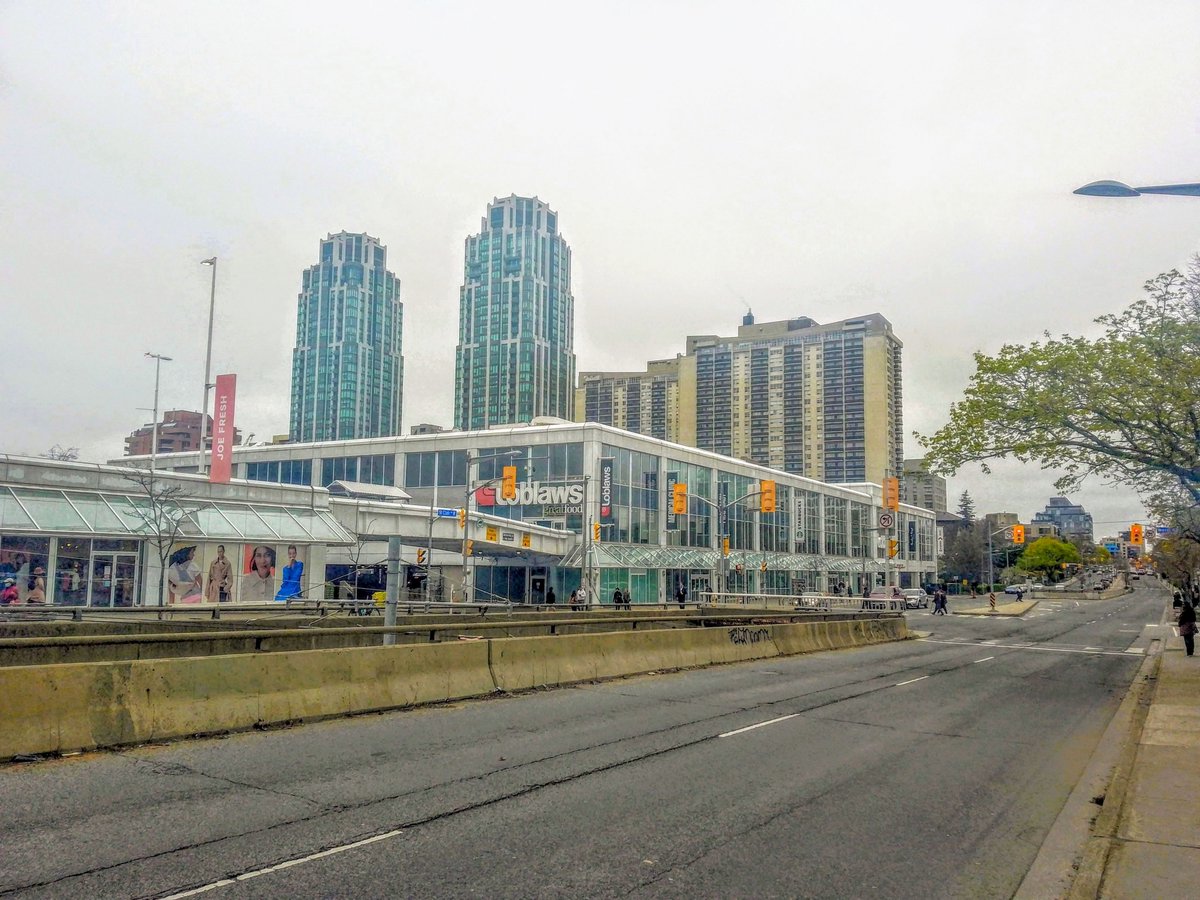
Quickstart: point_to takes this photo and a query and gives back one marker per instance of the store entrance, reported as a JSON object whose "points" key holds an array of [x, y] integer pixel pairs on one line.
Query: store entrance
{"points": [[114, 579]]}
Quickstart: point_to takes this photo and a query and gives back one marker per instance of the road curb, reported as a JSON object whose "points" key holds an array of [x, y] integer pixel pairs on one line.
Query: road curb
{"points": [[1073, 856]]}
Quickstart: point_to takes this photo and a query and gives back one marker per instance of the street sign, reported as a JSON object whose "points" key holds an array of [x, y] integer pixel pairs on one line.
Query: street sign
{"points": [[447, 513], [885, 520]]}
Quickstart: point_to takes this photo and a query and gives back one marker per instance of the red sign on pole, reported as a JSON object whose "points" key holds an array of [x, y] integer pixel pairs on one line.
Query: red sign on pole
{"points": [[221, 469]]}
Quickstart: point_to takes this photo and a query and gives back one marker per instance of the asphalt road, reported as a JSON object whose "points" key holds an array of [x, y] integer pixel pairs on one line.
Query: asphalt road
{"points": [[927, 768]]}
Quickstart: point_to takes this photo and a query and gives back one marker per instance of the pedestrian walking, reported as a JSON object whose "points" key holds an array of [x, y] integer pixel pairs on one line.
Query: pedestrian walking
{"points": [[626, 600], [616, 598], [574, 601], [550, 598], [1187, 627]]}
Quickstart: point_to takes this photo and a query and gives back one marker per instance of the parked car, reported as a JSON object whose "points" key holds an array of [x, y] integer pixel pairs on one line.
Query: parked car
{"points": [[915, 598], [1019, 588], [1038, 586]]}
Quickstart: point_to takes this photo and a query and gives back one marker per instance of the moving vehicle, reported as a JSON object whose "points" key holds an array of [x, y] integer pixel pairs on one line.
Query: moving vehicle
{"points": [[1021, 588], [915, 598]]}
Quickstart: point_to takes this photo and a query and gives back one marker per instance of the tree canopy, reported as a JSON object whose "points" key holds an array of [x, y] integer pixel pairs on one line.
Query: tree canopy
{"points": [[1047, 554], [1124, 406]]}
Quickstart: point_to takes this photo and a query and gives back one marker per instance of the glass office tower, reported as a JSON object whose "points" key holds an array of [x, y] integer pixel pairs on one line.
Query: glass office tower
{"points": [[347, 367], [516, 327]]}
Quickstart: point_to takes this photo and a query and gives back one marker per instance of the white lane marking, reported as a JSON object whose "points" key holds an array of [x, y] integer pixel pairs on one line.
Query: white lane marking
{"points": [[912, 681], [759, 725], [988, 643], [985, 659], [1140, 651], [1128, 631], [1093, 648], [254, 873], [1033, 649]]}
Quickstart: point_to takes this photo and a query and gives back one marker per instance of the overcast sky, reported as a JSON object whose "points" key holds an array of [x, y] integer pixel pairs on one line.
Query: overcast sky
{"points": [[801, 158]]}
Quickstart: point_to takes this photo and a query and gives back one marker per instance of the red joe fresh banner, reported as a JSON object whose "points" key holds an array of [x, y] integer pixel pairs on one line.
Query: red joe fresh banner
{"points": [[221, 469]]}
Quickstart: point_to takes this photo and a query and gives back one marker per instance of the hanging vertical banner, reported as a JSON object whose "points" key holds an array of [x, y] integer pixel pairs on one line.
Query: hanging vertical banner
{"points": [[221, 468], [672, 518], [723, 508], [606, 488], [912, 536]]}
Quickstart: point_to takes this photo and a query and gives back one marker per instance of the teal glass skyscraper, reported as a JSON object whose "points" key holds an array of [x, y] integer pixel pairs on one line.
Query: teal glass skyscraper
{"points": [[347, 367], [516, 319]]}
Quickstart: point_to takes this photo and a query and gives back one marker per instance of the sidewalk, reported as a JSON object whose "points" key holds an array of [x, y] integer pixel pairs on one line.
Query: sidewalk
{"points": [[1146, 840]]}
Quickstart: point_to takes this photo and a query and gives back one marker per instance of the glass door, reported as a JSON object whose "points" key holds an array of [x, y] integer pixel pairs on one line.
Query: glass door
{"points": [[124, 586], [101, 587]]}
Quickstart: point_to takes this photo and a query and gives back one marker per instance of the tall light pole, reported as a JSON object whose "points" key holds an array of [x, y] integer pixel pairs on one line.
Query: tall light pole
{"points": [[468, 586], [212, 303], [159, 359]]}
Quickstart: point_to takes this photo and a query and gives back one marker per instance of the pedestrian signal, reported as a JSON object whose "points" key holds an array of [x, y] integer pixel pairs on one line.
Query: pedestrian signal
{"points": [[1018, 534], [679, 499], [762, 566], [766, 496], [508, 484], [421, 556], [1135, 534]]}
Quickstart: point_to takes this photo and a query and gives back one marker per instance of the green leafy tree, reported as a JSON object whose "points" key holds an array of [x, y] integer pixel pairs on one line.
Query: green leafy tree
{"points": [[1047, 555], [1123, 406], [966, 555], [1177, 559]]}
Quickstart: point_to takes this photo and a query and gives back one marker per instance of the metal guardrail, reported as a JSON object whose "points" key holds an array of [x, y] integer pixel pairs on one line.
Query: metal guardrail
{"points": [[823, 602], [434, 631]]}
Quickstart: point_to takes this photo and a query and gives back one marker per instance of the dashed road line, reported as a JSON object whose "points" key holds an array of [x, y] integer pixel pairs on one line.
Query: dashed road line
{"points": [[758, 725], [912, 681]]}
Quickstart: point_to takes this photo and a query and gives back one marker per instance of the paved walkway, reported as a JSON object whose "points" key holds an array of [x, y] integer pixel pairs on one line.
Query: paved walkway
{"points": [[1146, 841]]}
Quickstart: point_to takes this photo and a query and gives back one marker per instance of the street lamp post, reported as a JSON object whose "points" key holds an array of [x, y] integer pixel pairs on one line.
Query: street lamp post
{"points": [[1119, 189], [212, 302], [468, 570], [159, 359]]}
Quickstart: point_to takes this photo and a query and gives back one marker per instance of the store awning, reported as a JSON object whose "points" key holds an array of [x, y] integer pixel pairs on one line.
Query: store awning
{"points": [[121, 515]]}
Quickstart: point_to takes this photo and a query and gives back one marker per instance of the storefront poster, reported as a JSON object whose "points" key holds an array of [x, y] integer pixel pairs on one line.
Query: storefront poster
{"points": [[258, 572]]}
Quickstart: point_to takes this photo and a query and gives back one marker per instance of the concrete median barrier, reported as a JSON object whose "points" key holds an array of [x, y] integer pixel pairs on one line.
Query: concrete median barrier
{"points": [[81, 706]]}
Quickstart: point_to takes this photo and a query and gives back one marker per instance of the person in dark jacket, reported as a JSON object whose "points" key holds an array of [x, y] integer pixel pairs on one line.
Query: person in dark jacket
{"points": [[550, 598], [1187, 627]]}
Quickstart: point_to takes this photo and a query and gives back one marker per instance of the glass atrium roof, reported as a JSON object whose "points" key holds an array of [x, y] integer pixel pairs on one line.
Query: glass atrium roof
{"points": [[25, 509]]}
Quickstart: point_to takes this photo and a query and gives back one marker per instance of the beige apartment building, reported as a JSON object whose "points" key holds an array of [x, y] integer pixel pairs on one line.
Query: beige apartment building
{"points": [[823, 401]]}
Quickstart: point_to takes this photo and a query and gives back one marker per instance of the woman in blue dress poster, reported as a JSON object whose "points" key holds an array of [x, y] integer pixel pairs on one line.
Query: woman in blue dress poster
{"points": [[292, 573]]}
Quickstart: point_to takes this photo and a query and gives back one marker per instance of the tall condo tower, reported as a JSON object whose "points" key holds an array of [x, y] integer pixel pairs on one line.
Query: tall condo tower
{"points": [[347, 367], [824, 401], [516, 319]]}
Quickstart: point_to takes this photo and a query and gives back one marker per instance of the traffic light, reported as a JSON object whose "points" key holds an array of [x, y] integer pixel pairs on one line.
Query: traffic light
{"points": [[679, 499], [1135, 534], [766, 496], [1018, 534], [595, 531], [420, 556], [893, 547], [891, 493], [469, 550], [462, 518], [725, 546], [508, 484], [762, 566]]}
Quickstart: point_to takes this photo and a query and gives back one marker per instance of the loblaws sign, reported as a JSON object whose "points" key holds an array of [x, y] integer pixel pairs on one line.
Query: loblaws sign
{"points": [[564, 499]]}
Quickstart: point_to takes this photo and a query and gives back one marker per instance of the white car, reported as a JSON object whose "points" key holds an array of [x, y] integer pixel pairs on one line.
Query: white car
{"points": [[1038, 586], [915, 598]]}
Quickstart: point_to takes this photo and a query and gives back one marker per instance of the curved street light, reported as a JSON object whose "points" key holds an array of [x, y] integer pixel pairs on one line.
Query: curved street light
{"points": [[1119, 189]]}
